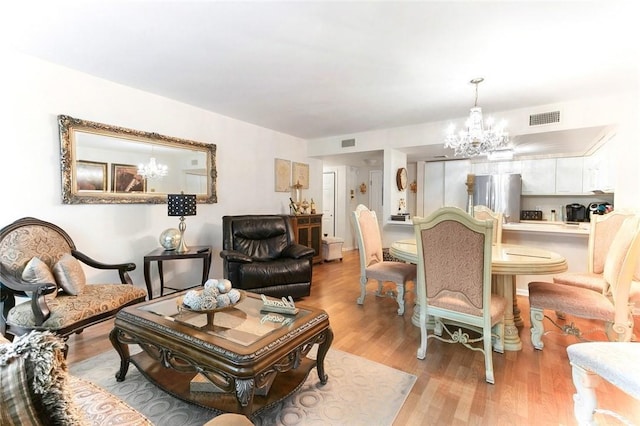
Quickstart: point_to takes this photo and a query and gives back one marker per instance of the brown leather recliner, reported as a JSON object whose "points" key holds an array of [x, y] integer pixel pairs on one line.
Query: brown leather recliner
{"points": [[260, 255]]}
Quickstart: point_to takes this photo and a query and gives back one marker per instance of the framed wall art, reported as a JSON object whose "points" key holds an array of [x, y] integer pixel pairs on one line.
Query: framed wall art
{"points": [[282, 175], [300, 175], [91, 176], [125, 178]]}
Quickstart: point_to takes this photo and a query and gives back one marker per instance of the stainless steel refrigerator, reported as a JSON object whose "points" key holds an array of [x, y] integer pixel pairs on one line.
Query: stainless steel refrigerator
{"points": [[501, 193]]}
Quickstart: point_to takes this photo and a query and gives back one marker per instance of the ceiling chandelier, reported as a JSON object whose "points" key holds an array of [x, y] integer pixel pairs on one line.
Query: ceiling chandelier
{"points": [[476, 139], [152, 170]]}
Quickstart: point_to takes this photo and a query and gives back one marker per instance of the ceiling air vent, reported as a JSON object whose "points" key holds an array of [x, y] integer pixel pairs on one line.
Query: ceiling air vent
{"points": [[346, 143], [544, 118]]}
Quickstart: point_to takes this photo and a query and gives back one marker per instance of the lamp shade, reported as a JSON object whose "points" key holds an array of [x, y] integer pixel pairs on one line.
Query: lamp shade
{"points": [[181, 204]]}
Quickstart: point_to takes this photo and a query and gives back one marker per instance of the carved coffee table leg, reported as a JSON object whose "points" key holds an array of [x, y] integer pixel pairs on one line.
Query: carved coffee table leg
{"points": [[123, 351], [323, 348], [244, 394]]}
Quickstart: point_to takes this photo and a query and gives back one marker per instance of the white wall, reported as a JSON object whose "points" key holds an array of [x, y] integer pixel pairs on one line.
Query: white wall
{"points": [[35, 92]]}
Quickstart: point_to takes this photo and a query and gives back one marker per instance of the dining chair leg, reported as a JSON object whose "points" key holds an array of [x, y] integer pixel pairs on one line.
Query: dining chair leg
{"points": [[497, 337], [488, 356], [400, 298], [584, 400], [537, 327], [363, 289]]}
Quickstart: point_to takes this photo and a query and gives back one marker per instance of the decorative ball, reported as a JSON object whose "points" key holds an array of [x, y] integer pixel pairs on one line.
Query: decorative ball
{"points": [[170, 239]]}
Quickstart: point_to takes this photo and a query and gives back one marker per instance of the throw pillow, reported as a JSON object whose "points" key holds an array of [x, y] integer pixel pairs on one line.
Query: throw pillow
{"points": [[34, 391], [38, 272], [69, 275]]}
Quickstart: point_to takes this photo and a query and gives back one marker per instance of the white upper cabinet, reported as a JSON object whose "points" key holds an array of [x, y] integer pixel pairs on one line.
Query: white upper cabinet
{"points": [[445, 185], [539, 177], [569, 172], [598, 172], [496, 167], [455, 183]]}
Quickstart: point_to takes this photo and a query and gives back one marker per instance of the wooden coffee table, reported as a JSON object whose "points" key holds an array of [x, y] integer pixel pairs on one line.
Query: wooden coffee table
{"points": [[254, 359]]}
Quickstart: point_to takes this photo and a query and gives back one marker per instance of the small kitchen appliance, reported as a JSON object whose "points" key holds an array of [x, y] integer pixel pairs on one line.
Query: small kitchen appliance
{"points": [[576, 213]]}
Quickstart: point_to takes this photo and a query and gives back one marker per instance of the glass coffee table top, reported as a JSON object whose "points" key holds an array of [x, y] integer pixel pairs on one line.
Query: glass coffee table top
{"points": [[243, 324]]}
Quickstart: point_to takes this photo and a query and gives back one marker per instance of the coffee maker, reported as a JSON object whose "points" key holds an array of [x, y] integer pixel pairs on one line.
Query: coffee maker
{"points": [[576, 213]]}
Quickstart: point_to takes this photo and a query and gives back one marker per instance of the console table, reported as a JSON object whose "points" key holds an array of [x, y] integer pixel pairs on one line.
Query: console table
{"points": [[160, 255], [308, 231]]}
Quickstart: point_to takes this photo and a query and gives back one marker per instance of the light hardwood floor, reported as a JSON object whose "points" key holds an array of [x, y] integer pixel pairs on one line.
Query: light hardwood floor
{"points": [[532, 387]]}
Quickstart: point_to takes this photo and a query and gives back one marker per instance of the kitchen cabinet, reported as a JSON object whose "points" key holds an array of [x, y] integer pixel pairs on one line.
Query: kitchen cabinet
{"points": [[497, 167], [539, 177], [569, 172], [599, 173], [307, 229], [445, 185]]}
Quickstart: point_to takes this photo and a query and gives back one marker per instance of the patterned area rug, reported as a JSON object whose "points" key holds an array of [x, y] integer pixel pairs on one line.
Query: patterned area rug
{"points": [[359, 392]]}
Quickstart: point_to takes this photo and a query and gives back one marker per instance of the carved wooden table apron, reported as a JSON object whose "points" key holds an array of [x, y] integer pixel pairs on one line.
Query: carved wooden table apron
{"points": [[252, 359], [507, 261]]}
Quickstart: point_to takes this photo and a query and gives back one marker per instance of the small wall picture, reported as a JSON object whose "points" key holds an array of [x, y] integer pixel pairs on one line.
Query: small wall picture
{"points": [[282, 175], [301, 175], [91, 176], [125, 178]]}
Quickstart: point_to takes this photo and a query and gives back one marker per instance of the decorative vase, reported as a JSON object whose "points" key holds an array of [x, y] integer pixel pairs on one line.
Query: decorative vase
{"points": [[170, 239]]}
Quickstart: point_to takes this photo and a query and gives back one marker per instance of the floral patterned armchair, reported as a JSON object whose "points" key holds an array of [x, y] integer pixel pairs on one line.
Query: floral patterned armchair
{"points": [[39, 261]]}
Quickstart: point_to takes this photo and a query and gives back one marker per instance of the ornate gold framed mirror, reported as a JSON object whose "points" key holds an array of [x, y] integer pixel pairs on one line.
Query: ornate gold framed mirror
{"points": [[104, 164]]}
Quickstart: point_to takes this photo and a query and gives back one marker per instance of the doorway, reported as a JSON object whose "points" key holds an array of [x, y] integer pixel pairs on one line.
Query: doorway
{"points": [[329, 203], [376, 193]]}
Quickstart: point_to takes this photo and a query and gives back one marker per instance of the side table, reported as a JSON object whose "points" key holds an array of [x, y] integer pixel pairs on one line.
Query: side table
{"points": [[160, 255]]}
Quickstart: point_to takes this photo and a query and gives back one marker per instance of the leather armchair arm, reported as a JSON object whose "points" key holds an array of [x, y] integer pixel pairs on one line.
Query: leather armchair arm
{"points": [[298, 251], [235, 256], [123, 268]]}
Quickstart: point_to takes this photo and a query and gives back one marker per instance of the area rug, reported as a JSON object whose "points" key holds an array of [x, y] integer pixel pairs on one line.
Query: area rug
{"points": [[359, 392]]}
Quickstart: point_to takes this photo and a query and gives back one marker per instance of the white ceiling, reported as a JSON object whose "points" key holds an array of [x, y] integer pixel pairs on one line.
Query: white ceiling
{"points": [[318, 69]]}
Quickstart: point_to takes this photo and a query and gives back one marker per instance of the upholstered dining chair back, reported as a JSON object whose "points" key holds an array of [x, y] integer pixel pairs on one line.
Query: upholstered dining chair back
{"points": [[454, 280], [620, 266], [368, 234], [481, 212], [372, 264], [602, 232]]}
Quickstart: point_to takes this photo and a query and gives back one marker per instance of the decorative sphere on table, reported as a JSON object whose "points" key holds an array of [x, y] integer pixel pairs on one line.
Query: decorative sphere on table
{"points": [[170, 239]]}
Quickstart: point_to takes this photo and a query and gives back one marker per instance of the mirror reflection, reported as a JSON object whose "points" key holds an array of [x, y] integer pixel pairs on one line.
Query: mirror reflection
{"points": [[108, 164]]}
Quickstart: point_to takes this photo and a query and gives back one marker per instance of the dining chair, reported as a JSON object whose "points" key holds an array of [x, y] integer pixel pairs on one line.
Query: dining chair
{"points": [[602, 231], [612, 308], [481, 212], [454, 283], [593, 361], [372, 264]]}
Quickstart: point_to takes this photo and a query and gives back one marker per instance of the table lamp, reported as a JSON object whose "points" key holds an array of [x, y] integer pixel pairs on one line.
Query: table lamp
{"points": [[181, 205]]}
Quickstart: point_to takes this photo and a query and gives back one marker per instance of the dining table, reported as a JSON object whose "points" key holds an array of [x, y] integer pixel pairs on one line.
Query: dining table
{"points": [[507, 261]]}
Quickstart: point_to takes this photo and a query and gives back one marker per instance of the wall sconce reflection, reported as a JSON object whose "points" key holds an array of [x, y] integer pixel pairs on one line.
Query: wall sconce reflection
{"points": [[413, 186], [363, 188]]}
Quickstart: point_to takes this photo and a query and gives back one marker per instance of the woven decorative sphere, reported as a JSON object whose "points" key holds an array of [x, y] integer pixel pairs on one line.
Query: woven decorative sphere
{"points": [[170, 239]]}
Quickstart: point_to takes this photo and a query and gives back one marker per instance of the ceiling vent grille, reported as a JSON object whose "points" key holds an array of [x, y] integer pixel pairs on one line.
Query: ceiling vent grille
{"points": [[346, 143], [544, 118]]}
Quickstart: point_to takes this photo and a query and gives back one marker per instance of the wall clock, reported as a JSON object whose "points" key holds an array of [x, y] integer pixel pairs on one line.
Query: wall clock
{"points": [[401, 179]]}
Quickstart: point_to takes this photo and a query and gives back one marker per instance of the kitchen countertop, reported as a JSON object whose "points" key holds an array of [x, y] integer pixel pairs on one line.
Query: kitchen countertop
{"points": [[545, 226]]}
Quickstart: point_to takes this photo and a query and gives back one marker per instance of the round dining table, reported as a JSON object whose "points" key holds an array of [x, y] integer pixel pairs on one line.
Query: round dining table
{"points": [[507, 261]]}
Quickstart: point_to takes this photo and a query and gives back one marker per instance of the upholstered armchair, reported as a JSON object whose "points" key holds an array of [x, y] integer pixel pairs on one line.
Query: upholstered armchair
{"points": [[260, 255], [372, 263], [454, 283], [39, 261], [612, 308]]}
